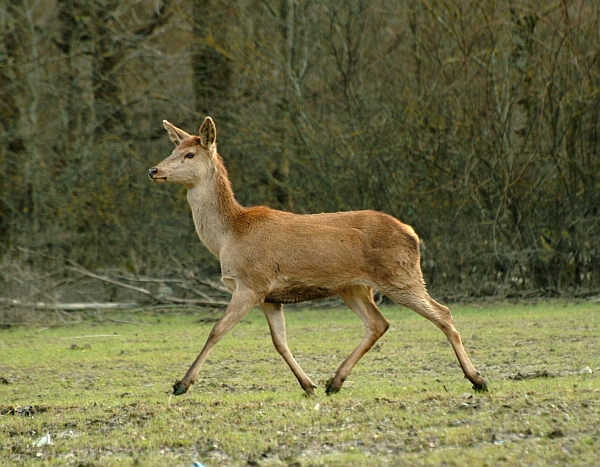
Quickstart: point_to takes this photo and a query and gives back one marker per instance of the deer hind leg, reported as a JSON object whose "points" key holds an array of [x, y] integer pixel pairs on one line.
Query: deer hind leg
{"points": [[418, 300], [274, 314], [241, 304], [360, 300]]}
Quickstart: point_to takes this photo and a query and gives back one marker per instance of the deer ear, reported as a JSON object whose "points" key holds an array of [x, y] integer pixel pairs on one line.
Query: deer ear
{"points": [[208, 134], [176, 135]]}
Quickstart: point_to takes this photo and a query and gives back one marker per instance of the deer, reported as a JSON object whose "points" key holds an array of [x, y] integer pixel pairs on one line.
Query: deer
{"points": [[270, 258]]}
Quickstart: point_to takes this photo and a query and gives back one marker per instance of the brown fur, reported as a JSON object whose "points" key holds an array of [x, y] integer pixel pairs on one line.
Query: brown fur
{"points": [[271, 257]]}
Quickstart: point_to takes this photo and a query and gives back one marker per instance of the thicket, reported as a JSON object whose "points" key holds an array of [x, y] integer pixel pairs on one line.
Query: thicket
{"points": [[477, 122]]}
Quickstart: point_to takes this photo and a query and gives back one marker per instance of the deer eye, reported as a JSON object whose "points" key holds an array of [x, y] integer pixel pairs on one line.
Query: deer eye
{"points": [[189, 155]]}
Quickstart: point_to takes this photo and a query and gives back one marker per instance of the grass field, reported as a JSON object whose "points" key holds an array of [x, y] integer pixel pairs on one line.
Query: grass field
{"points": [[99, 391]]}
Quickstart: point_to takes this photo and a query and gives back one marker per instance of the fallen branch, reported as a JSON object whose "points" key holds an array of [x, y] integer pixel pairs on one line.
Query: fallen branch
{"points": [[128, 281], [81, 270], [183, 283], [157, 298], [212, 284], [68, 306]]}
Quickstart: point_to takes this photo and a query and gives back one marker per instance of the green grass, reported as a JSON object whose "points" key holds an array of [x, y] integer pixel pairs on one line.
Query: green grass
{"points": [[101, 390]]}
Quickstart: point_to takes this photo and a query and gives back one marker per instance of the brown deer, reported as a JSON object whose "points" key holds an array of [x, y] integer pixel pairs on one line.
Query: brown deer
{"points": [[271, 257]]}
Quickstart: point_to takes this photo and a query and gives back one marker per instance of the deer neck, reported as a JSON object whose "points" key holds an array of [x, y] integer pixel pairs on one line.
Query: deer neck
{"points": [[214, 209]]}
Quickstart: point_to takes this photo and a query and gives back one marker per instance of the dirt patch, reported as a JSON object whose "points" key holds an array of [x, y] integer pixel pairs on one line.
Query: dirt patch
{"points": [[24, 411], [531, 375]]}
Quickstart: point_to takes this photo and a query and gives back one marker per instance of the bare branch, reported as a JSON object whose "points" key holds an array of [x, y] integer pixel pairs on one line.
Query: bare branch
{"points": [[69, 306], [189, 301]]}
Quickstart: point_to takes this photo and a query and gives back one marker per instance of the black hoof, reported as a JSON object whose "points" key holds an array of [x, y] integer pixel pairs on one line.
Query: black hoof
{"points": [[481, 387], [179, 389], [330, 388]]}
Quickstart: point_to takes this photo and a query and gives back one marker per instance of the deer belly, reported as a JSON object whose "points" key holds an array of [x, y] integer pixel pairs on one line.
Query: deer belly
{"points": [[298, 292]]}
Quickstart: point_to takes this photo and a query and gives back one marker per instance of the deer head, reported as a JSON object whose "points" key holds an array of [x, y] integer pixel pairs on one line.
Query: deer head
{"points": [[192, 158]]}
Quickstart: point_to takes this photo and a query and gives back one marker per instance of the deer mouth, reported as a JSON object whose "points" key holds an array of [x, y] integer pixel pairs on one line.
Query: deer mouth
{"points": [[152, 175], [157, 179]]}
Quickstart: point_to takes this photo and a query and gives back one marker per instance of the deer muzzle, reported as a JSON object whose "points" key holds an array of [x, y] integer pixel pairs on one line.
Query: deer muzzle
{"points": [[152, 174]]}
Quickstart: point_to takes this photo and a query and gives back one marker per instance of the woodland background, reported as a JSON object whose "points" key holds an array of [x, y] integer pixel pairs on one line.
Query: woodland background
{"points": [[477, 122]]}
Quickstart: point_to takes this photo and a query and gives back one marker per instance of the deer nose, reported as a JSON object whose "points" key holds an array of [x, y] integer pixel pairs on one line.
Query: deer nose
{"points": [[152, 172]]}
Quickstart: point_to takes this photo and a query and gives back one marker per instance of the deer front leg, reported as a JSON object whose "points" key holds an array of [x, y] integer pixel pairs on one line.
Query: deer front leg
{"points": [[241, 304], [274, 314]]}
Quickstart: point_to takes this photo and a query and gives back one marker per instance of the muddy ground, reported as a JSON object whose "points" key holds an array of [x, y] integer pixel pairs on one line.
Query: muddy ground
{"points": [[98, 392]]}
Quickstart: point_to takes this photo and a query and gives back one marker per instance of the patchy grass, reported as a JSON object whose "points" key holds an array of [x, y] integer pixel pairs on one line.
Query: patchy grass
{"points": [[101, 391]]}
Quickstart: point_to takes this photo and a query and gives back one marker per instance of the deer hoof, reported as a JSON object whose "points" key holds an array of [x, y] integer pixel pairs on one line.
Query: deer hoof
{"points": [[480, 387], [331, 388], [179, 389]]}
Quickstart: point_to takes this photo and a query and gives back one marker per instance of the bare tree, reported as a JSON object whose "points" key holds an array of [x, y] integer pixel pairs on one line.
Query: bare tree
{"points": [[477, 123]]}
